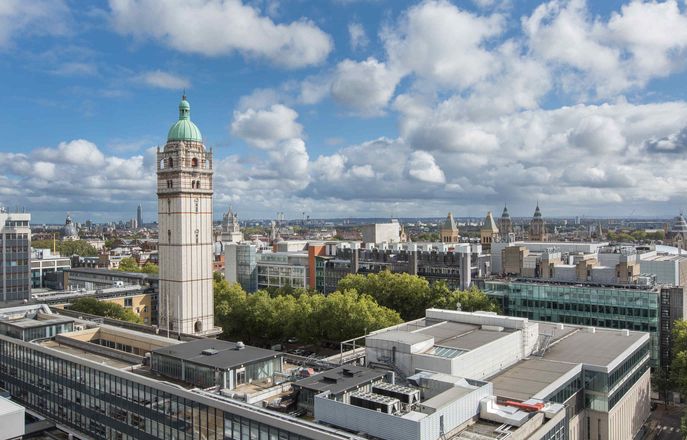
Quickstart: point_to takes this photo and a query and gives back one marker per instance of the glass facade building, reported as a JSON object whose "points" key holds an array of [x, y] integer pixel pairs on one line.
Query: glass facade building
{"points": [[609, 307], [107, 403], [247, 267]]}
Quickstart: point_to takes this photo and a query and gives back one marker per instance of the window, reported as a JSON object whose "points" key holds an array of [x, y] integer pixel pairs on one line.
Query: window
{"points": [[171, 162], [128, 302], [196, 204], [169, 236], [169, 206], [197, 236], [194, 162]]}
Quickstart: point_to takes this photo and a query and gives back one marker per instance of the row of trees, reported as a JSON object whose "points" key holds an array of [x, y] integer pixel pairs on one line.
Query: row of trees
{"points": [[67, 248], [410, 295], [361, 303], [129, 264], [264, 318], [637, 235], [104, 308]]}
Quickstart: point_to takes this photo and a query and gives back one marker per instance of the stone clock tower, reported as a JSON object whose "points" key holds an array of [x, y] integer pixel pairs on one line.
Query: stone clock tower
{"points": [[184, 192]]}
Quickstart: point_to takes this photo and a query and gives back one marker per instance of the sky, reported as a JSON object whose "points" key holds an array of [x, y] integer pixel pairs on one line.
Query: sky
{"points": [[348, 108]]}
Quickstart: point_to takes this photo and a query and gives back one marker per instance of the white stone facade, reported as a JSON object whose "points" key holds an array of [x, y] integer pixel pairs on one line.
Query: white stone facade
{"points": [[186, 239]]}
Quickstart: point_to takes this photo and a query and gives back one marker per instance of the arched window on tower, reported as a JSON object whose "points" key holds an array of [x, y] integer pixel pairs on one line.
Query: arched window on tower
{"points": [[194, 162], [197, 184], [171, 163], [193, 183]]}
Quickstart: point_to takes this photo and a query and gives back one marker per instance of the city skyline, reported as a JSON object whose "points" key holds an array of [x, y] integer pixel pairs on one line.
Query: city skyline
{"points": [[404, 109]]}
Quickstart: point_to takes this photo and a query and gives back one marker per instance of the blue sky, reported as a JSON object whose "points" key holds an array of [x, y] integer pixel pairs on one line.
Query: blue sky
{"points": [[348, 107]]}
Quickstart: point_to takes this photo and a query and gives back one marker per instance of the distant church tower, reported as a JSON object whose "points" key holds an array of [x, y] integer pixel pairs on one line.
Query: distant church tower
{"points": [[449, 231], [488, 233], [184, 192], [505, 223], [537, 226]]}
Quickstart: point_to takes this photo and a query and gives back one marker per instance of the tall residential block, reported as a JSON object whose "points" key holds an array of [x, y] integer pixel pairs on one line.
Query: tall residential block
{"points": [[184, 189], [15, 256]]}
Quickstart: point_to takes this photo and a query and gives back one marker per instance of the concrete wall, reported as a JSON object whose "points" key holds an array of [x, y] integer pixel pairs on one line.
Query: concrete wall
{"points": [[11, 419], [628, 415], [358, 419], [490, 358], [390, 427]]}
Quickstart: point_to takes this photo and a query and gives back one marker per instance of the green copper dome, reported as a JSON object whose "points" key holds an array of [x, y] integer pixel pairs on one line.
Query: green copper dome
{"points": [[184, 129]]}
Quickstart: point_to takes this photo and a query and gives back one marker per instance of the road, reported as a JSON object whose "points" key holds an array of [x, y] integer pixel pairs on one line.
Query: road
{"points": [[665, 422]]}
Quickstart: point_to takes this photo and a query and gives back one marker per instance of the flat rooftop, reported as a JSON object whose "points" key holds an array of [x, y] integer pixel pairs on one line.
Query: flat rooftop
{"points": [[93, 357], [600, 348], [458, 335], [525, 379], [227, 354], [340, 379], [41, 320]]}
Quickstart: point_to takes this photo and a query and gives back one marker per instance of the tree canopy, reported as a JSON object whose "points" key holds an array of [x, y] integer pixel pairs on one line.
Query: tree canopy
{"points": [[129, 264], [104, 308], [410, 295], [310, 317]]}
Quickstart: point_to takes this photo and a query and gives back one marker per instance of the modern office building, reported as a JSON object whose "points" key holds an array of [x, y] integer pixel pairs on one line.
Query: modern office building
{"points": [[279, 269], [92, 383], [44, 262], [534, 380], [649, 309], [241, 265], [139, 217], [211, 362], [450, 375], [15, 256], [184, 189]]}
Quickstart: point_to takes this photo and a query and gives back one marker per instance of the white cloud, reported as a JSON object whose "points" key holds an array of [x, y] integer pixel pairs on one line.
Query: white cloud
{"points": [[643, 41], [423, 167], [163, 80], [444, 44], [365, 86], [266, 128], [37, 17], [357, 36], [77, 152], [220, 27]]}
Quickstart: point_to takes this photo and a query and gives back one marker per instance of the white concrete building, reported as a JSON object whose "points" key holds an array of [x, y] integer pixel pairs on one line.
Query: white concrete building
{"points": [[479, 370], [381, 232], [184, 188]]}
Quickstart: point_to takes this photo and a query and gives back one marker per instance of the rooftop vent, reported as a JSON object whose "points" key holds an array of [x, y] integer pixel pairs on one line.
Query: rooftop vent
{"points": [[209, 351], [240, 345]]}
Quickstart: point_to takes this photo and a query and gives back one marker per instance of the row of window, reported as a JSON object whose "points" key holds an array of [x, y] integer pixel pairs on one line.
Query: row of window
{"points": [[110, 407]]}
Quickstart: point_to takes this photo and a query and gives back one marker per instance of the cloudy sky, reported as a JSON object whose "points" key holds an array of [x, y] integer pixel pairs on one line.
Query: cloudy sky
{"points": [[344, 108]]}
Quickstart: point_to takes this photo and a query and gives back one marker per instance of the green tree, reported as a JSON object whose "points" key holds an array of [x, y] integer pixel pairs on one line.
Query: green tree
{"points": [[104, 308], [407, 294], [311, 317], [128, 264], [150, 268], [411, 295]]}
